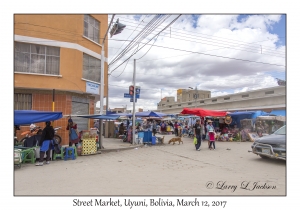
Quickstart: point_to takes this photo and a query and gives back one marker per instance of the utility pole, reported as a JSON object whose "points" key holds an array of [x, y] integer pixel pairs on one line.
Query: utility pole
{"points": [[117, 28], [134, 97], [102, 86]]}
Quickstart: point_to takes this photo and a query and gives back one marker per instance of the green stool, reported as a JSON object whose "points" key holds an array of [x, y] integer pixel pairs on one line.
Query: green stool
{"points": [[61, 155], [28, 155]]}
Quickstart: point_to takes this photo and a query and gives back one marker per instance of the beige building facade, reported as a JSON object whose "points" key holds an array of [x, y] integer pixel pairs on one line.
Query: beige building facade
{"points": [[266, 99], [58, 57]]}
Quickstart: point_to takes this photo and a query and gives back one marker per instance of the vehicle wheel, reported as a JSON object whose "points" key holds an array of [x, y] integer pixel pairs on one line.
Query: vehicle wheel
{"points": [[57, 138], [263, 157]]}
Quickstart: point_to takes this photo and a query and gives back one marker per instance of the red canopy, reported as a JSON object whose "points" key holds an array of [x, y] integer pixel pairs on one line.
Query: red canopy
{"points": [[203, 112]]}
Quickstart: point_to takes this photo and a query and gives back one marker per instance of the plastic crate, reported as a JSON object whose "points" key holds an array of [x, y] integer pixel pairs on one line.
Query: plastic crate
{"points": [[89, 146]]}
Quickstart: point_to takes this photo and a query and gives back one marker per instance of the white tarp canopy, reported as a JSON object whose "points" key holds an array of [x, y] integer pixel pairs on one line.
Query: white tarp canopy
{"points": [[279, 118]]}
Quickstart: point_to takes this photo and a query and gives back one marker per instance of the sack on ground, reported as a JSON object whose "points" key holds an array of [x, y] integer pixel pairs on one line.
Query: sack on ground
{"points": [[195, 140]]}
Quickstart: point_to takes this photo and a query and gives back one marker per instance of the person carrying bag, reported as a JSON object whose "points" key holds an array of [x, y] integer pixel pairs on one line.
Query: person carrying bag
{"points": [[73, 135]]}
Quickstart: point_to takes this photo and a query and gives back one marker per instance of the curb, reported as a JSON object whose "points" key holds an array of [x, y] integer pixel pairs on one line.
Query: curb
{"points": [[119, 149]]}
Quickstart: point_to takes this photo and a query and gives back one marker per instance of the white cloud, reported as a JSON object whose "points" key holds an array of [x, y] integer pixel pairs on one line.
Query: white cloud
{"points": [[186, 56]]}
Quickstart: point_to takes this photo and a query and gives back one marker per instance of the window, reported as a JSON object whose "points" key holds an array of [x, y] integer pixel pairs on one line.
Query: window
{"points": [[22, 101], [167, 100], [189, 103], [214, 100], [91, 68], [201, 102], [91, 28], [39, 59], [179, 104], [227, 98], [245, 96], [170, 106], [270, 92]]}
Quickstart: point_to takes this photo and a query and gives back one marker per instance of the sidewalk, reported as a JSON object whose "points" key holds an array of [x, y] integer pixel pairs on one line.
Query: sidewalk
{"points": [[115, 144]]}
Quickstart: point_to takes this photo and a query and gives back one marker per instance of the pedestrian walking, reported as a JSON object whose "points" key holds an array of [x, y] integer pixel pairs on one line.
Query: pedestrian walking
{"points": [[176, 125], [46, 144], [211, 134], [197, 133]]}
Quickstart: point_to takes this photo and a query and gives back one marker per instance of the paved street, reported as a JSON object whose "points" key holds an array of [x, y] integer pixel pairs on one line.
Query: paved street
{"points": [[158, 170]]}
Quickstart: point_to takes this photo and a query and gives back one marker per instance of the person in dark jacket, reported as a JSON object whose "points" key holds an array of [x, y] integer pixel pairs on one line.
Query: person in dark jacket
{"points": [[46, 143]]}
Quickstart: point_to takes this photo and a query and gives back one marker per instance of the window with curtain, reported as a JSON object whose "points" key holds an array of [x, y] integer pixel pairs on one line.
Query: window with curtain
{"points": [[22, 101], [39, 59], [91, 28], [91, 68]]}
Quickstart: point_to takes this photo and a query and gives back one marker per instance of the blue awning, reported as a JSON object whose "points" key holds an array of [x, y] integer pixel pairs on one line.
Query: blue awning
{"points": [[23, 117], [278, 112]]}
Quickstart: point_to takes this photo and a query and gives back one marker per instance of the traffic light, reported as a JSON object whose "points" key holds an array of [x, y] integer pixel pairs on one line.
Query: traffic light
{"points": [[131, 90], [117, 28]]}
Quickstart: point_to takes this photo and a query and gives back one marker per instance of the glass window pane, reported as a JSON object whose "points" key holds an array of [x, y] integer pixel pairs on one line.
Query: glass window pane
{"points": [[22, 47], [53, 51], [96, 24], [86, 18], [91, 20], [22, 62], [37, 49], [52, 65], [91, 33], [86, 29], [96, 35], [37, 64]]}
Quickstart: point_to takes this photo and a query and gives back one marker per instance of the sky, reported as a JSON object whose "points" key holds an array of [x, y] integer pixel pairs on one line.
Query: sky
{"points": [[222, 53]]}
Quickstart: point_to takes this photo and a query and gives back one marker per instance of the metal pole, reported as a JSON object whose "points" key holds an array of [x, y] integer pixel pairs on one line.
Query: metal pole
{"points": [[133, 109], [102, 86]]}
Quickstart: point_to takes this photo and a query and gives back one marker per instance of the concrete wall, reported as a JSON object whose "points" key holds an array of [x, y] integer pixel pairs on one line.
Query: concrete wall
{"points": [[266, 99]]}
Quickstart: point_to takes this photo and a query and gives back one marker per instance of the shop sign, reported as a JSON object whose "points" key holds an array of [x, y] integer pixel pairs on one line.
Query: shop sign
{"points": [[92, 88]]}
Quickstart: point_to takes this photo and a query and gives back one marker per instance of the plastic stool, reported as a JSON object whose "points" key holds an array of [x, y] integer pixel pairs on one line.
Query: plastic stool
{"points": [[75, 151], [61, 155], [70, 153]]}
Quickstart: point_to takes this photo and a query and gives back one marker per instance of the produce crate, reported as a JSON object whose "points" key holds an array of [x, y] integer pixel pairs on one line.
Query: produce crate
{"points": [[89, 146]]}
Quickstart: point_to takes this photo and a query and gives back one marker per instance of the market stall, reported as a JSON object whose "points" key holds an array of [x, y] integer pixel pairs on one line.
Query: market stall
{"points": [[22, 117], [89, 138]]}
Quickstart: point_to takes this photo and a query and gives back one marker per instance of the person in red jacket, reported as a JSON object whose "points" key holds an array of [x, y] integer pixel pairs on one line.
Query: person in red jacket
{"points": [[72, 128]]}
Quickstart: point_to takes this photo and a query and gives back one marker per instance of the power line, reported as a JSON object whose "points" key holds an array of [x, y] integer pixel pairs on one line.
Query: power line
{"points": [[212, 55], [257, 50], [206, 34]]}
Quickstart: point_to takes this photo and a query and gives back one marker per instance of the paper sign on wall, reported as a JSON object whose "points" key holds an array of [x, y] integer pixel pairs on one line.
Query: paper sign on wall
{"points": [[92, 88]]}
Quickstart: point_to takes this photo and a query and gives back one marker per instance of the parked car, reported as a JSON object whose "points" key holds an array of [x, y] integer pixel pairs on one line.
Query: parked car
{"points": [[271, 146]]}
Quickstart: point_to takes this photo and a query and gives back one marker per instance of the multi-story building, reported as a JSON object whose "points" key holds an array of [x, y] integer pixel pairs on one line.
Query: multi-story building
{"points": [[266, 99], [58, 57], [184, 95]]}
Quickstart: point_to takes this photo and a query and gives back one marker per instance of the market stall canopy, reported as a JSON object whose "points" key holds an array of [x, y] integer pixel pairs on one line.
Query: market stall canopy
{"points": [[23, 117], [278, 112], [203, 112], [278, 118], [149, 114], [238, 116]]}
